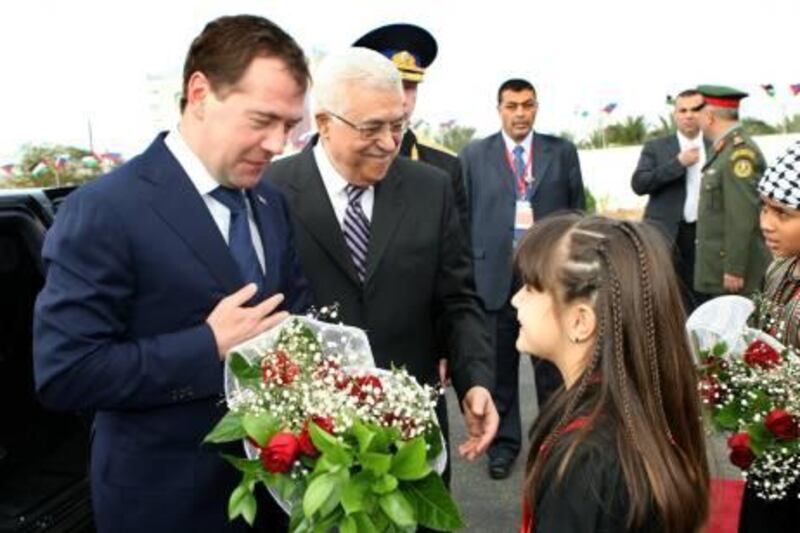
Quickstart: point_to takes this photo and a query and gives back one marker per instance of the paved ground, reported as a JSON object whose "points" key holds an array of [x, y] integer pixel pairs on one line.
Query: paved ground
{"points": [[491, 506]]}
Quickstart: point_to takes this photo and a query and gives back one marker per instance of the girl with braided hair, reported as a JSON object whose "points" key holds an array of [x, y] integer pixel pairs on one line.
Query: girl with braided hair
{"points": [[620, 447]]}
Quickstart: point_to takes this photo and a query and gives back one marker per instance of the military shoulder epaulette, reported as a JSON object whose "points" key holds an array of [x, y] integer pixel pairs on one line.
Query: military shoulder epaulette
{"points": [[738, 140], [436, 146]]}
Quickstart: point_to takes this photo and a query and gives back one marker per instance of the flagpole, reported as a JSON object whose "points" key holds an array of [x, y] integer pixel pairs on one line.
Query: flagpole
{"points": [[91, 138]]}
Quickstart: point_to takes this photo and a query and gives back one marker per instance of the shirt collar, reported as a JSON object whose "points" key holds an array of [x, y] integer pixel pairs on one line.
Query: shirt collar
{"points": [[334, 182], [510, 144], [203, 181], [684, 140]]}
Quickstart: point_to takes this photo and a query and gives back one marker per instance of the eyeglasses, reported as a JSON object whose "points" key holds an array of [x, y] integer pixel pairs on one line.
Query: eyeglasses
{"points": [[373, 130]]}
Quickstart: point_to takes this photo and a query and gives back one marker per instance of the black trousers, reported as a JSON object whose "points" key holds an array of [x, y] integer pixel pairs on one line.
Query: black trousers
{"points": [[683, 258], [504, 328]]}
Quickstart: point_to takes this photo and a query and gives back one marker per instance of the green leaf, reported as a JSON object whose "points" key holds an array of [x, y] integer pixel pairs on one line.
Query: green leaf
{"points": [[329, 523], [433, 503], [364, 435], [433, 438], [379, 463], [727, 417], [260, 427], [228, 429], [248, 466], [384, 484], [760, 438], [334, 451], [242, 503], [397, 508], [348, 525], [720, 349], [354, 493], [316, 494], [247, 374], [364, 523], [410, 463]]}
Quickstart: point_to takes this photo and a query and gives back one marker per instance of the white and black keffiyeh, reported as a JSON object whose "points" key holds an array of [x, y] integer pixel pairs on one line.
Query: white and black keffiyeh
{"points": [[781, 181]]}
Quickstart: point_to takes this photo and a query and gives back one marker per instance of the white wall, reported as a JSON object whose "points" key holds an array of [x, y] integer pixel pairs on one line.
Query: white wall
{"points": [[608, 172]]}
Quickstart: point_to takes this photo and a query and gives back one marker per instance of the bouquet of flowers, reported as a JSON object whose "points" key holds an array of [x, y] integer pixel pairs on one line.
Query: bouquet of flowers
{"points": [[339, 443], [751, 386]]}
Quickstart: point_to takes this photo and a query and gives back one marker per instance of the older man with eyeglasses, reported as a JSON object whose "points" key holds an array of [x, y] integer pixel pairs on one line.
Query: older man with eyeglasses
{"points": [[380, 235]]}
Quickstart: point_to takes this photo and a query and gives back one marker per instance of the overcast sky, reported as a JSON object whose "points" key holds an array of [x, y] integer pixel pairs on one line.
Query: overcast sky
{"points": [[65, 63]]}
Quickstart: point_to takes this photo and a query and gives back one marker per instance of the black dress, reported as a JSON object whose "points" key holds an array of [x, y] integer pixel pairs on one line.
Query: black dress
{"points": [[591, 496]]}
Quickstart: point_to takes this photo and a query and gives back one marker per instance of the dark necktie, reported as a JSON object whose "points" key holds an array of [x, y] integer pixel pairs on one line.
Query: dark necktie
{"points": [[356, 230], [240, 241], [519, 165]]}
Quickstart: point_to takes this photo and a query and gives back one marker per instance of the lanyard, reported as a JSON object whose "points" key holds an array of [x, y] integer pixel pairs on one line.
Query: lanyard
{"points": [[522, 183]]}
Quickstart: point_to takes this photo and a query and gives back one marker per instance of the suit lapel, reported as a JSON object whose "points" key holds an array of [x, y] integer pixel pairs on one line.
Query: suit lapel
{"points": [[498, 160], [387, 211], [314, 211], [541, 160], [175, 199]]}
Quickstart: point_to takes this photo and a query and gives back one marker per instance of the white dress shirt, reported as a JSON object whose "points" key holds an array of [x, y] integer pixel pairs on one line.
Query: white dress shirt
{"points": [[205, 183], [693, 173], [336, 186], [527, 145]]}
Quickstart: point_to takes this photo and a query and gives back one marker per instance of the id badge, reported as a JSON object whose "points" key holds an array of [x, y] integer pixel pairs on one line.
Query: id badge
{"points": [[523, 219]]}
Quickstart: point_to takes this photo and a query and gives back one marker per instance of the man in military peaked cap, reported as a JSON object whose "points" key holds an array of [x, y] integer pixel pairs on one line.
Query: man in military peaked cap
{"points": [[412, 49], [731, 256]]}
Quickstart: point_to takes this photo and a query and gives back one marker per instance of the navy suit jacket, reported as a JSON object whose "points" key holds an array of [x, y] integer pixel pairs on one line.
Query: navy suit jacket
{"points": [[135, 263], [491, 191]]}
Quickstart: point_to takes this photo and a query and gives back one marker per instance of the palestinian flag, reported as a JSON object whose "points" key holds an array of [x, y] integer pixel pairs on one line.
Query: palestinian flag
{"points": [[40, 169], [795, 88], [608, 109], [90, 161], [769, 89]]}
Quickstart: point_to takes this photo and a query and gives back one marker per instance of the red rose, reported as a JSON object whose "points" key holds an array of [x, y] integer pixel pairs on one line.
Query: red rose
{"points": [[368, 385], [281, 366], [710, 390], [762, 355], [280, 454], [306, 444], [331, 368], [741, 454], [781, 424]]}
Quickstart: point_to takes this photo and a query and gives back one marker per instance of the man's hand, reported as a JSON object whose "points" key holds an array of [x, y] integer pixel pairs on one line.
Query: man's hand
{"points": [[232, 323], [732, 283], [444, 373], [480, 416], [689, 157]]}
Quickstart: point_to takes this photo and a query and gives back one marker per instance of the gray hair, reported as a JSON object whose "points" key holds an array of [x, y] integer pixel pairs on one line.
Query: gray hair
{"points": [[724, 113], [354, 66]]}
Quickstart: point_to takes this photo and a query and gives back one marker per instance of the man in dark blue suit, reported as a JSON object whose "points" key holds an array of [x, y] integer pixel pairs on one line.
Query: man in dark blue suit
{"points": [[156, 270], [513, 178]]}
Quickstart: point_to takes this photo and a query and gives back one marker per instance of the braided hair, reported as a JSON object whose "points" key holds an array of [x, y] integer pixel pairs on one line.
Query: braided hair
{"points": [[639, 379]]}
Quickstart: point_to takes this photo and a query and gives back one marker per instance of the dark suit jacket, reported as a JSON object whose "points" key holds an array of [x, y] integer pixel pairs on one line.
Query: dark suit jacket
{"points": [[418, 268], [661, 175], [135, 264], [441, 160], [491, 192]]}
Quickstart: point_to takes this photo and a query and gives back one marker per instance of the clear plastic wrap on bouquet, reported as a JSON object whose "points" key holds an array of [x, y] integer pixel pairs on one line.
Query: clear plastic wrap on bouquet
{"points": [[350, 343]]}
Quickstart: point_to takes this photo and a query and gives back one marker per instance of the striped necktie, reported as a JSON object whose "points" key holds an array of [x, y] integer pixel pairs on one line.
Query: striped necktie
{"points": [[356, 230]]}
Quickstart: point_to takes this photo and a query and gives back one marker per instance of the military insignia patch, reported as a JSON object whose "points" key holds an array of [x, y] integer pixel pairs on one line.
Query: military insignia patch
{"points": [[743, 168]]}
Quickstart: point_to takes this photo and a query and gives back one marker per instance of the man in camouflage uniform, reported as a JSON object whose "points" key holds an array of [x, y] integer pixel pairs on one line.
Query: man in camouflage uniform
{"points": [[731, 256], [412, 49]]}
